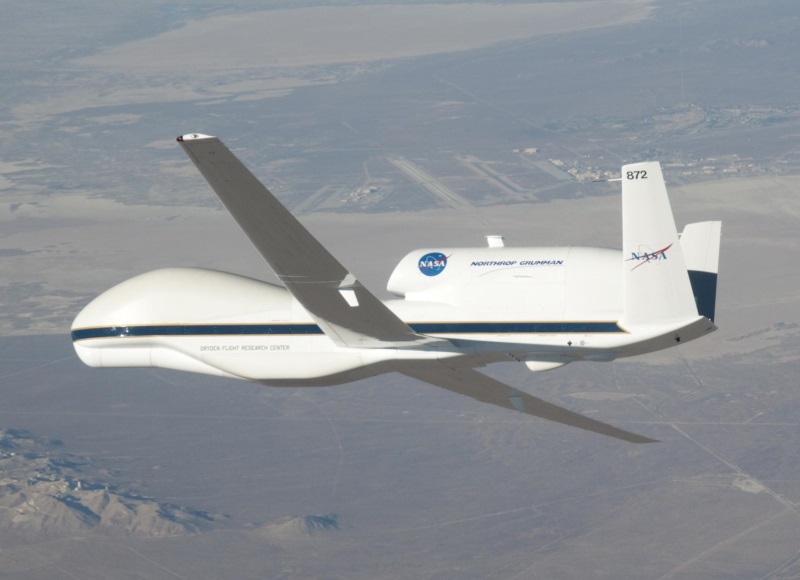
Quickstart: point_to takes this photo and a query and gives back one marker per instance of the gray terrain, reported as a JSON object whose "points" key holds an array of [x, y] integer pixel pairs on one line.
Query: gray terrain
{"points": [[388, 127]]}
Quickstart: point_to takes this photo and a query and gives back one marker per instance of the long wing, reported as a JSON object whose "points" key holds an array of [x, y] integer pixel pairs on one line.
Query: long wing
{"points": [[346, 311], [469, 382]]}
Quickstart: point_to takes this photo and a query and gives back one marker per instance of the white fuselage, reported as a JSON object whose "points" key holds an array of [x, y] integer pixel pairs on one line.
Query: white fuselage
{"points": [[542, 306]]}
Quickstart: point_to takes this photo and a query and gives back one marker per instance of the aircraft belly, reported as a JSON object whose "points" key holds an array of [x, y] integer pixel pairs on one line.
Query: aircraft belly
{"points": [[318, 360], [285, 365], [245, 357], [138, 353]]}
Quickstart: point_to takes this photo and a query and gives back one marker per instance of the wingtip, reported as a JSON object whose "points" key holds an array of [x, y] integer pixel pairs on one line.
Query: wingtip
{"points": [[193, 137]]}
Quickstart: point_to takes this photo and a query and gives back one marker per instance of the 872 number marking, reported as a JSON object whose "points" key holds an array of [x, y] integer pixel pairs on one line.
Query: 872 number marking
{"points": [[636, 175]]}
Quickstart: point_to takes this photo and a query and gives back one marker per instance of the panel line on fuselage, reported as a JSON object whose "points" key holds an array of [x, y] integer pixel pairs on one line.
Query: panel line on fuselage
{"points": [[283, 329]]}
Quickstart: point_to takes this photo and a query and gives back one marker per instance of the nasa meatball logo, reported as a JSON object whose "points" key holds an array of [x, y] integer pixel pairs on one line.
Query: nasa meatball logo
{"points": [[433, 264]]}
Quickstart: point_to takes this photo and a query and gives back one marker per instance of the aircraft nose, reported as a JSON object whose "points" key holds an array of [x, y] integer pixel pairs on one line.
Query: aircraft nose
{"points": [[102, 322], [91, 330]]}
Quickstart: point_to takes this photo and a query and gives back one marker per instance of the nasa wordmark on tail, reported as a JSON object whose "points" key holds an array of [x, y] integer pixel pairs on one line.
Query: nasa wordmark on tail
{"points": [[457, 309]]}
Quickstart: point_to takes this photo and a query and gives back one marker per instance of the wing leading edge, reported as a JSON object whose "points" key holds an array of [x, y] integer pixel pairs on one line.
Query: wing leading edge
{"points": [[346, 311]]}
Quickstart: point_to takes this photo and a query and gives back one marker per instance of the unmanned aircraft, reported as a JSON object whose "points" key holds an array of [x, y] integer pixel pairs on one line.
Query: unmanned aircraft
{"points": [[457, 309]]}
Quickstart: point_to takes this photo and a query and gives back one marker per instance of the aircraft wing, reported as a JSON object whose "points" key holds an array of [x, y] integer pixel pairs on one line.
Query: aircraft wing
{"points": [[474, 384], [345, 310]]}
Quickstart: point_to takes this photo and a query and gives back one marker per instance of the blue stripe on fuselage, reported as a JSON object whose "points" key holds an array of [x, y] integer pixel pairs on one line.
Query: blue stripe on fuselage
{"points": [[195, 330], [313, 329]]}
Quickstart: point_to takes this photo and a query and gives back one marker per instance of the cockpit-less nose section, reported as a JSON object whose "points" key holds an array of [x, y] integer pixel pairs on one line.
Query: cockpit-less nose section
{"points": [[457, 309]]}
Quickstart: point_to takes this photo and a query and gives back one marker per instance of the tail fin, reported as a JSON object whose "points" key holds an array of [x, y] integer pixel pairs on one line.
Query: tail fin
{"points": [[655, 279], [700, 244]]}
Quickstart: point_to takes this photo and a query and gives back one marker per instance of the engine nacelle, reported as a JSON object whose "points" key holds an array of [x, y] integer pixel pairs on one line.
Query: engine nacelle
{"points": [[548, 283]]}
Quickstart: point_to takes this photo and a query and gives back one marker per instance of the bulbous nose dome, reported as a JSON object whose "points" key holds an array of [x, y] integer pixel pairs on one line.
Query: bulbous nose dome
{"points": [[158, 304]]}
